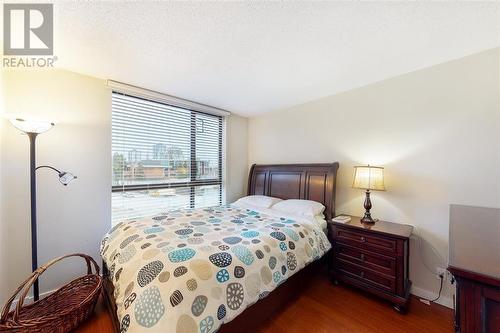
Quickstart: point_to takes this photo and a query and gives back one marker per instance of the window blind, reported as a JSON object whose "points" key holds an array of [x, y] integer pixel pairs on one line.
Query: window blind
{"points": [[163, 157]]}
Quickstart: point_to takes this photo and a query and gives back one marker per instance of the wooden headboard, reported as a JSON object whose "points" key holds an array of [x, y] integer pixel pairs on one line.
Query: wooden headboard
{"points": [[296, 181]]}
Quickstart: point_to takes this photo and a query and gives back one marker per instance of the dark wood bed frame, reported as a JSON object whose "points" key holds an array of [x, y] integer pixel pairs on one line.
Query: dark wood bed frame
{"points": [[286, 181]]}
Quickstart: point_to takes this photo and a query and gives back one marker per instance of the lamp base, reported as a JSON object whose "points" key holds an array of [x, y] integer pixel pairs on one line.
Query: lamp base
{"points": [[367, 219], [368, 205]]}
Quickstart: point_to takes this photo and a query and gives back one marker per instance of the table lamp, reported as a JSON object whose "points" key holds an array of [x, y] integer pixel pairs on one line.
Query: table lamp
{"points": [[368, 178], [33, 128]]}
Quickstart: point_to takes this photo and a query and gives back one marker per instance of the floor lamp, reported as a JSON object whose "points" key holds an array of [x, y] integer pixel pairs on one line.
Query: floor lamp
{"points": [[33, 129]]}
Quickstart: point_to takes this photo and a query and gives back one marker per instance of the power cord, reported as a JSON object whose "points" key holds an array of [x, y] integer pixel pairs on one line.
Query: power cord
{"points": [[421, 253], [441, 277], [422, 257]]}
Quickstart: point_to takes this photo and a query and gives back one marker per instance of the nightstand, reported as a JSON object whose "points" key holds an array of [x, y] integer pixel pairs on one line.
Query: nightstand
{"points": [[372, 257]]}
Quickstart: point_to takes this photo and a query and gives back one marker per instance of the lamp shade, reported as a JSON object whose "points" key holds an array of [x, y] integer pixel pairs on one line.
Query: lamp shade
{"points": [[369, 178], [31, 126]]}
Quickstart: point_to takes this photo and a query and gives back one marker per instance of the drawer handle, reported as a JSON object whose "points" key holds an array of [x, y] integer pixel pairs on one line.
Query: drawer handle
{"points": [[362, 274], [363, 239], [362, 256]]}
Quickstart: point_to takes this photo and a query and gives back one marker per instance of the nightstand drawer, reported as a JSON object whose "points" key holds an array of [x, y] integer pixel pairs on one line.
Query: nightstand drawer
{"points": [[365, 275], [365, 241], [377, 262]]}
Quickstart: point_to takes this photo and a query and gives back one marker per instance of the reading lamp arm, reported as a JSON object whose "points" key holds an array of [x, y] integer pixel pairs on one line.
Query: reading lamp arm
{"points": [[48, 167], [62, 174]]}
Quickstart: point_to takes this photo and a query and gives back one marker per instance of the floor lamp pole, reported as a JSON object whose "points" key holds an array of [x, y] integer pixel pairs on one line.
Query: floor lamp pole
{"points": [[34, 252], [32, 128]]}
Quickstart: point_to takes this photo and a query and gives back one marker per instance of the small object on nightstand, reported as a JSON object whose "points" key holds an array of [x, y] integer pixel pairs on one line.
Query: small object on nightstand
{"points": [[368, 178], [341, 219], [373, 257]]}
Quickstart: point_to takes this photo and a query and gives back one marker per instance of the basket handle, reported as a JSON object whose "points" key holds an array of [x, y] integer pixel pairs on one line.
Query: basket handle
{"points": [[26, 285]]}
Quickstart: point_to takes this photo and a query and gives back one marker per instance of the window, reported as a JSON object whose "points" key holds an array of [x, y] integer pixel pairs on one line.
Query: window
{"points": [[164, 157]]}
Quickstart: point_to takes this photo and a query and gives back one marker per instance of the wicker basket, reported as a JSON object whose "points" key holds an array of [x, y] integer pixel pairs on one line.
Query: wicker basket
{"points": [[61, 311]]}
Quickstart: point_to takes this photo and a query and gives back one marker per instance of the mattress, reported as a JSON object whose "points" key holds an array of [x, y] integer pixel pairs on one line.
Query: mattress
{"points": [[192, 270]]}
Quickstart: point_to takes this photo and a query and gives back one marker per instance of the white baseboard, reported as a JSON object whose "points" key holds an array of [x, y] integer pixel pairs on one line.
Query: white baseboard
{"points": [[443, 300], [29, 299]]}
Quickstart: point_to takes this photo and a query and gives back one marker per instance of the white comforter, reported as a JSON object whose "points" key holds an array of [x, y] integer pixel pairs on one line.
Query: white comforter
{"points": [[193, 270]]}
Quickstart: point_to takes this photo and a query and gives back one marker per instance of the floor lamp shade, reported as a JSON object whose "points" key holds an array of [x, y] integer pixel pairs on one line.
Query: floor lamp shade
{"points": [[31, 126]]}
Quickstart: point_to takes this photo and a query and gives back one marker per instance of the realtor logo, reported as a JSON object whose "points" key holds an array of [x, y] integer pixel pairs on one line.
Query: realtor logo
{"points": [[28, 29]]}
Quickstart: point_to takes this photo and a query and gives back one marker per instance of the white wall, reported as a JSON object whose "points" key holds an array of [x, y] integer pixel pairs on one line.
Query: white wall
{"points": [[72, 218], [3, 226], [236, 157], [437, 132]]}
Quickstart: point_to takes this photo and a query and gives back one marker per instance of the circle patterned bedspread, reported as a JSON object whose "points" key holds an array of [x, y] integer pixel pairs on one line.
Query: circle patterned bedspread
{"points": [[192, 270]]}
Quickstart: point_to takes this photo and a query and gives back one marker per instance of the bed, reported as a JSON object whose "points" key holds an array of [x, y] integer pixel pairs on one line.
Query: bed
{"points": [[221, 268]]}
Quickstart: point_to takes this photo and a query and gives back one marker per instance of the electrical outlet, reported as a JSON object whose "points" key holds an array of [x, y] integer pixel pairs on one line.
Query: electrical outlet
{"points": [[441, 272]]}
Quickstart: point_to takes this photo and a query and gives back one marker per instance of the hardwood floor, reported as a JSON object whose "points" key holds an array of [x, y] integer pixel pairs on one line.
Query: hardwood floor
{"points": [[323, 307]]}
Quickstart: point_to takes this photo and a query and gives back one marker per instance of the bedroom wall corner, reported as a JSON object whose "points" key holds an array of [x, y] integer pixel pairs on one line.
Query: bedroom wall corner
{"points": [[437, 132], [70, 219], [236, 157]]}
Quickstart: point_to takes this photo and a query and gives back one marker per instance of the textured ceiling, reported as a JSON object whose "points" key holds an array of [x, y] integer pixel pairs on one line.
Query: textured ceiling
{"points": [[254, 57]]}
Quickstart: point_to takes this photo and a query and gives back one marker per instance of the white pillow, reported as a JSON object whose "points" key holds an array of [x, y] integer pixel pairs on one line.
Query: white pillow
{"points": [[262, 201], [305, 208], [320, 220]]}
